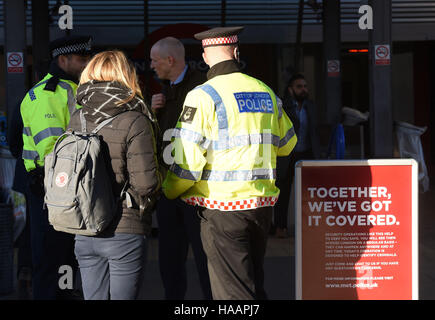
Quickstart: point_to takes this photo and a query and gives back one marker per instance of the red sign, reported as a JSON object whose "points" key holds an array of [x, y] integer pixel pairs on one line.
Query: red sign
{"points": [[382, 54], [333, 68], [15, 62], [357, 230]]}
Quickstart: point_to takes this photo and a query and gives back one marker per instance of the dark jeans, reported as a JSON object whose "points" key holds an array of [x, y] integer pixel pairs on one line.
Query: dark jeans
{"points": [[235, 243], [178, 225], [285, 170], [112, 267], [50, 250]]}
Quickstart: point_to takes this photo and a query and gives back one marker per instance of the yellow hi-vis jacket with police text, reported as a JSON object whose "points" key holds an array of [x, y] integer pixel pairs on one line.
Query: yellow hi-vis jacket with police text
{"points": [[45, 116], [226, 142]]}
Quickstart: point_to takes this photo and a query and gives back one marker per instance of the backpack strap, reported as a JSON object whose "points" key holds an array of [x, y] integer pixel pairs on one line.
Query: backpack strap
{"points": [[126, 194], [98, 128], [102, 124], [53, 162]]}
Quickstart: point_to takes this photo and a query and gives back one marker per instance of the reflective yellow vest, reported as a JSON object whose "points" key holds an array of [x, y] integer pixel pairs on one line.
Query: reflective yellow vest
{"points": [[226, 142], [45, 116]]}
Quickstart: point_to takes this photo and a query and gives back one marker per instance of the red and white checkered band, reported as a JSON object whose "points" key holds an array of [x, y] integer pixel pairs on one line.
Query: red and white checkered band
{"points": [[234, 205], [219, 41]]}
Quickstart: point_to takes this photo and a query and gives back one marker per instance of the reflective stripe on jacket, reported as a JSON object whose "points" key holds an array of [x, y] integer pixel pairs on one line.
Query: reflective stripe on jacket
{"points": [[226, 142], [45, 115]]}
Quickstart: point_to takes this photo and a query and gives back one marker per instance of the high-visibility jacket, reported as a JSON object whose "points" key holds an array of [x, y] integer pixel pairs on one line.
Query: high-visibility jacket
{"points": [[45, 116], [226, 142]]}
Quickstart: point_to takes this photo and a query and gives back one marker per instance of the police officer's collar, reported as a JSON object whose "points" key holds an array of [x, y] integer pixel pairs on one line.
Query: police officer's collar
{"points": [[224, 67], [185, 75], [180, 77], [57, 73]]}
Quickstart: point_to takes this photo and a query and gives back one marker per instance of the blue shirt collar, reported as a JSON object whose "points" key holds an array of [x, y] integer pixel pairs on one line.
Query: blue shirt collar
{"points": [[180, 77], [295, 104]]}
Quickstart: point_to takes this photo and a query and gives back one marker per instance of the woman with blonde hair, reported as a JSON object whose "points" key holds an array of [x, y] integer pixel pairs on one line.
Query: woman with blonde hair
{"points": [[111, 263]]}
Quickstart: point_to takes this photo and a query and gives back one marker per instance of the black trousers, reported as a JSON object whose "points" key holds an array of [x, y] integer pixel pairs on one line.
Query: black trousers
{"points": [[178, 225], [51, 249], [235, 244]]}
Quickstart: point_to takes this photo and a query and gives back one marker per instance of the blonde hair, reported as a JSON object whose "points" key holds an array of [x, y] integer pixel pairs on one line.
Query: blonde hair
{"points": [[112, 66]]}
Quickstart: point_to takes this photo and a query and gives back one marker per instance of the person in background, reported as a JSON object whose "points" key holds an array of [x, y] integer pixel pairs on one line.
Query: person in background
{"points": [[46, 111], [228, 137], [178, 223], [303, 112], [112, 263]]}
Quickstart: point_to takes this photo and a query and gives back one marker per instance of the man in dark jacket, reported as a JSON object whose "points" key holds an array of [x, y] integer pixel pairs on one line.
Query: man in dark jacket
{"points": [[178, 222], [303, 113]]}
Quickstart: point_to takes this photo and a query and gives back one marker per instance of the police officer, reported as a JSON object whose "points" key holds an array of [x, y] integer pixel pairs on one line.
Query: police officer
{"points": [[46, 111], [226, 141]]}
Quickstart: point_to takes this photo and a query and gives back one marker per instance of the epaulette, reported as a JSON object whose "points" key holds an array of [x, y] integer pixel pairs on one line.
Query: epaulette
{"points": [[52, 84]]}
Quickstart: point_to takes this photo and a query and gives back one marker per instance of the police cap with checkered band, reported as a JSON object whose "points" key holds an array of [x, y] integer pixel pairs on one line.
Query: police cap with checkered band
{"points": [[220, 36], [81, 45]]}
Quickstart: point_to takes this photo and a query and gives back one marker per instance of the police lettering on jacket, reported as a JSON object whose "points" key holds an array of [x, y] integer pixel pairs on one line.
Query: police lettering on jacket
{"points": [[228, 136]]}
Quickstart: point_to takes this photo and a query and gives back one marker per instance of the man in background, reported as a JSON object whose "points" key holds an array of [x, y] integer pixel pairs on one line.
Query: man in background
{"points": [[178, 223], [303, 113]]}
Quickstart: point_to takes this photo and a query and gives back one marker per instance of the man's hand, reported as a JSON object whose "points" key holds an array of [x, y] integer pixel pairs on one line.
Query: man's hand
{"points": [[158, 101]]}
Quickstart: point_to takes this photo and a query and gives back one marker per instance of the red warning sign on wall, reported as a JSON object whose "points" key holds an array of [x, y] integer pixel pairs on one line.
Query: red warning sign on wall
{"points": [[356, 235], [382, 54], [15, 62], [333, 68]]}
